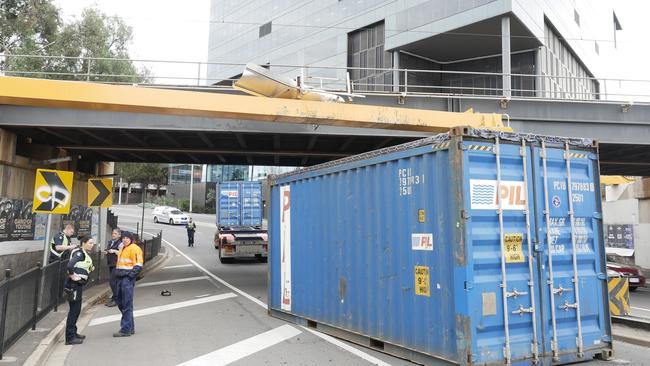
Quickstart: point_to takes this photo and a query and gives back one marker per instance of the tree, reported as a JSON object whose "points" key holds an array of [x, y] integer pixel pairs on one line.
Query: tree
{"points": [[237, 174], [143, 173], [93, 47]]}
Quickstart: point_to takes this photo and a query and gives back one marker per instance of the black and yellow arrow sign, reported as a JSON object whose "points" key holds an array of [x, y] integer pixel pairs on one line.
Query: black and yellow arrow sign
{"points": [[100, 192], [52, 191]]}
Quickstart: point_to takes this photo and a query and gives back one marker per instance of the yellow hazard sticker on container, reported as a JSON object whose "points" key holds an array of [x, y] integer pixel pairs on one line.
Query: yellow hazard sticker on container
{"points": [[513, 246], [422, 281]]}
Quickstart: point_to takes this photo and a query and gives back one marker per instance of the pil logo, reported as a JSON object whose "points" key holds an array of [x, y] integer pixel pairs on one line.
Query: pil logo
{"points": [[511, 195]]}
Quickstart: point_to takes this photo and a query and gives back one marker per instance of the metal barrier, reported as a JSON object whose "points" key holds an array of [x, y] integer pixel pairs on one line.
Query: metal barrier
{"points": [[24, 300], [365, 80]]}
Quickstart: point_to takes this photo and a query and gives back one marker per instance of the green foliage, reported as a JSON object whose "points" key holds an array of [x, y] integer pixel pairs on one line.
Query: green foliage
{"points": [[237, 174], [211, 199], [184, 205], [34, 28]]}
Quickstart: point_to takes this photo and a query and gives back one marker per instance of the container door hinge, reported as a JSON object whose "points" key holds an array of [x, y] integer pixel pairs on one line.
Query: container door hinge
{"points": [[602, 276], [469, 285], [461, 146], [465, 214], [598, 216], [522, 310]]}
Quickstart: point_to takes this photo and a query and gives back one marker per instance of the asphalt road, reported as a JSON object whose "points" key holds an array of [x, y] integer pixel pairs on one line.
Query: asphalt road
{"points": [[640, 302], [218, 316]]}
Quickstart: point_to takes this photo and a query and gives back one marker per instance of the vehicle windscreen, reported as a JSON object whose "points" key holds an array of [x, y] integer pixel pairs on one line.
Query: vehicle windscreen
{"points": [[175, 212]]}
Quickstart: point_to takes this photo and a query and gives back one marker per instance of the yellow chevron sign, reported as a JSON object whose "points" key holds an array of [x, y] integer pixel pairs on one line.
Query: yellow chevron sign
{"points": [[52, 191], [100, 192], [619, 296]]}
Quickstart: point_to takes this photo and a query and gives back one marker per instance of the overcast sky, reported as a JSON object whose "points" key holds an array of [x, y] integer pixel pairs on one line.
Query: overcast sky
{"points": [[178, 30]]}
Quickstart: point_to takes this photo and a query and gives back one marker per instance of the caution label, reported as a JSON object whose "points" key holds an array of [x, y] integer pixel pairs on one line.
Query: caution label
{"points": [[513, 246], [100, 192], [52, 191], [422, 281]]}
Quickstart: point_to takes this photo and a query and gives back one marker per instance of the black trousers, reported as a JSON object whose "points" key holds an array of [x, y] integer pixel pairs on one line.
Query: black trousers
{"points": [[190, 238], [73, 314]]}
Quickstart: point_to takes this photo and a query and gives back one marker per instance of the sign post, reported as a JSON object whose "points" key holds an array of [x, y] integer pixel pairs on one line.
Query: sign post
{"points": [[52, 195], [100, 195]]}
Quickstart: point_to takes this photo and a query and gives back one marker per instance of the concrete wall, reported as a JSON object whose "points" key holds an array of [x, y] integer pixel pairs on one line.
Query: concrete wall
{"points": [[181, 192]]}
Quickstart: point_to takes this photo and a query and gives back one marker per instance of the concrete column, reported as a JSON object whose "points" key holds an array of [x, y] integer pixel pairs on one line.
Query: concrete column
{"points": [[7, 146], [505, 55], [396, 73]]}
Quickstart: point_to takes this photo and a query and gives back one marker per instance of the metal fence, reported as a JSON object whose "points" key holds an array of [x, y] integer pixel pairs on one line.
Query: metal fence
{"points": [[27, 298], [402, 82]]}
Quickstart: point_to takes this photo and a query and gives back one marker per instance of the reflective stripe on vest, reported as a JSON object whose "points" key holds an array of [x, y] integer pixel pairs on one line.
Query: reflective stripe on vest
{"points": [[129, 257], [66, 241], [84, 267]]}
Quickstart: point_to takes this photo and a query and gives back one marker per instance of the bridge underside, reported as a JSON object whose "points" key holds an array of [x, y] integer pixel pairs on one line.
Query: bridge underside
{"points": [[297, 133]]}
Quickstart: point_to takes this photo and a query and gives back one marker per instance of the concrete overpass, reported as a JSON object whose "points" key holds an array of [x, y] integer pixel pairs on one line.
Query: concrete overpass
{"points": [[117, 123]]}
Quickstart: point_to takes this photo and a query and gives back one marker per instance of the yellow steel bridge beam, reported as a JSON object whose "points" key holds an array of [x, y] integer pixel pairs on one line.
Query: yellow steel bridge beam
{"points": [[116, 98]]}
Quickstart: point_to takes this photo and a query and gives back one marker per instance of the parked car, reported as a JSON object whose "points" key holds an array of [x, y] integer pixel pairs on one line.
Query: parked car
{"points": [[634, 276], [170, 215]]}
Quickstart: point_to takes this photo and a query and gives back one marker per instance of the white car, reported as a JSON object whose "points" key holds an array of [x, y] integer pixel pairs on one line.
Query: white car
{"points": [[170, 215]]}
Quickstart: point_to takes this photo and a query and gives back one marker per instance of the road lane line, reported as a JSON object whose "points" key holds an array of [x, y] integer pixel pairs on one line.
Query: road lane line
{"points": [[347, 347], [188, 279], [247, 347], [178, 266], [642, 309], [159, 309], [199, 296], [329, 339]]}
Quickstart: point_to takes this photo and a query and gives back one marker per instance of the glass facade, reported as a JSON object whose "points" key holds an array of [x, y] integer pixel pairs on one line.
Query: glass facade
{"points": [[366, 50], [180, 173]]}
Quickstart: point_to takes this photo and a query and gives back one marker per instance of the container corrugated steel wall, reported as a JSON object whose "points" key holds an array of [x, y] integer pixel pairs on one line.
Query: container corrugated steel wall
{"points": [[410, 248], [239, 204]]}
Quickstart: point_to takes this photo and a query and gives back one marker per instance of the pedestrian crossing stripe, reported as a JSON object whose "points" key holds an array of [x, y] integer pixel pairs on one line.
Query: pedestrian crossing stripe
{"points": [[486, 148], [619, 296]]}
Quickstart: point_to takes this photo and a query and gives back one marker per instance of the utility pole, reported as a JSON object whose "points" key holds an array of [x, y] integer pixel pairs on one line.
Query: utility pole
{"points": [[191, 185]]}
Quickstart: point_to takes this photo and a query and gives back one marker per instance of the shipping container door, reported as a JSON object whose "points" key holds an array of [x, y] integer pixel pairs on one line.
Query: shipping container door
{"points": [[229, 204], [502, 268], [574, 292], [251, 204]]}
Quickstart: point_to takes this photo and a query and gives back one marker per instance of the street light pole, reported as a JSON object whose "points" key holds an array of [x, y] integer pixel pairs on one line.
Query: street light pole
{"points": [[191, 185]]}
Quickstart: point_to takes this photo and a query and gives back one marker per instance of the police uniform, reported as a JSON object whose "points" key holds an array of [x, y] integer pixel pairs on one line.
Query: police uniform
{"points": [[80, 264], [129, 264], [58, 239], [191, 228]]}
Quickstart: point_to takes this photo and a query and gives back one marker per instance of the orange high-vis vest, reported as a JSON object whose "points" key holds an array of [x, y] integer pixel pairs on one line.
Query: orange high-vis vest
{"points": [[129, 257]]}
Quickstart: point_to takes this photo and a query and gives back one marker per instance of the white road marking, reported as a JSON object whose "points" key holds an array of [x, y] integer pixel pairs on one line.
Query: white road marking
{"points": [[158, 309], [347, 347], [642, 309], [188, 279], [327, 338], [204, 295], [247, 347], [178, 266]]}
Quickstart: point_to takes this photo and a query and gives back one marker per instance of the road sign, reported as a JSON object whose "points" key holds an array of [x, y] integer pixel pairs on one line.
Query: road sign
{"points": [[100, 192], [52, 191]]}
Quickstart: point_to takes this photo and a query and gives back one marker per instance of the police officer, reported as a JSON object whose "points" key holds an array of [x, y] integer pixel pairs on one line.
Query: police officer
{"points": [[129, 263], [112, 250], [191, 228], [61, 244], [79, 268]]}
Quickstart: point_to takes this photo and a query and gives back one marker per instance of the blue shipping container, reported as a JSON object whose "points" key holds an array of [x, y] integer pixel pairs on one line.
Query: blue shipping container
{"points": [[470, 248], [239, 204]]}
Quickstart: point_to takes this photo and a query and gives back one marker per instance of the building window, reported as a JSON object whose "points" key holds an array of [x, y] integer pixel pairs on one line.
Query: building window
{"points": [[366, 55], [576, 16], [265, 29]]}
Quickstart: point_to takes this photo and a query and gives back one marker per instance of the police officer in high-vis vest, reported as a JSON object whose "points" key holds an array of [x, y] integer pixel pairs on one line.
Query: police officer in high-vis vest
{"points": [[129, 264], [61, 244], [79, 268]]}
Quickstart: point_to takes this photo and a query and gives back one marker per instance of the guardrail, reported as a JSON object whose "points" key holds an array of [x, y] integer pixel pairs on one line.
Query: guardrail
{"points": [[28, 297], [365, 80]]}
